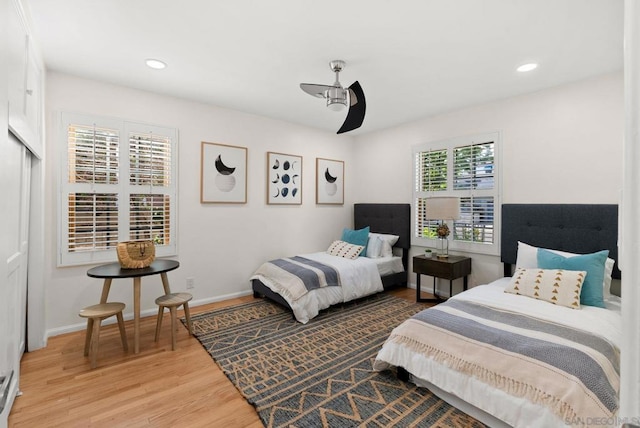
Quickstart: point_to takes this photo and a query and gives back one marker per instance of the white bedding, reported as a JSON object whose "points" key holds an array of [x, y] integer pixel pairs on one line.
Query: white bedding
{"points": [[388, 265], [359, 278], [514, 411]]}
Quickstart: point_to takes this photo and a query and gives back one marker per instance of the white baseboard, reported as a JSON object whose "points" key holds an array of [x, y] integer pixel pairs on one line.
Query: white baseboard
{"points": [[147, 312]]}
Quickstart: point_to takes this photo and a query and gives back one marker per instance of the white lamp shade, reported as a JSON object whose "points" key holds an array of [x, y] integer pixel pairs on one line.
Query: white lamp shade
{"points": [[442, 208]]}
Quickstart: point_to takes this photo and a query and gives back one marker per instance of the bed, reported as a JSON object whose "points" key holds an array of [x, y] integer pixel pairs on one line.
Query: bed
{"points": [[359, 277], [512, 360]]}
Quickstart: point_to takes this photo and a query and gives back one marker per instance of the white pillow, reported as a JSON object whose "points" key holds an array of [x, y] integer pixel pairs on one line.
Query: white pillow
{"points": [[344, 249], [528, 258], [388, 241], [557, 286], [374, 247]]}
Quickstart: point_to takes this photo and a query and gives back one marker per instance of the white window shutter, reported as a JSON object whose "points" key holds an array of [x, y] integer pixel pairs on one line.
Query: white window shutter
{"points": [[119, 184], [467, 168]]}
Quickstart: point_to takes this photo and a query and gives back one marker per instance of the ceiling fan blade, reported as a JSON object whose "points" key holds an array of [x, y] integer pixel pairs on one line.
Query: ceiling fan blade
{"points": [[315, 90], [357, 108]]}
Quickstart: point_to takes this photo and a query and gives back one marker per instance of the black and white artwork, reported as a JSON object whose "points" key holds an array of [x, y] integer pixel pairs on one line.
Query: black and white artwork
{"points": [[284, 179], [329, 181], [223, 174]]}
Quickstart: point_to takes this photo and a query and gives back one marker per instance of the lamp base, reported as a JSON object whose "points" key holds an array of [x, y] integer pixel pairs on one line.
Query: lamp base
{"points": [[443, 248]]}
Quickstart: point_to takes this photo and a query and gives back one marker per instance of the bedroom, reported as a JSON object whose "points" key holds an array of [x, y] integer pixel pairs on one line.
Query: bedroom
{"points": [[581, 114]]}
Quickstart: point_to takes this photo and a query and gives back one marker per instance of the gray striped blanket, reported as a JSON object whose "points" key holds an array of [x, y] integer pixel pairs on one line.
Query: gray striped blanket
{"points": [[295, 276], [574, 373]]}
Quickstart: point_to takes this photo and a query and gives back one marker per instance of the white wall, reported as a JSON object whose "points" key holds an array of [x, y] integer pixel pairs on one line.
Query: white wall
{"points": [[562, 145], [219, 245]]}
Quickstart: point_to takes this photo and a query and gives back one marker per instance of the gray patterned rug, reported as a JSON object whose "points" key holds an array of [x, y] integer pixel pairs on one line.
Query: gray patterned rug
{"points": [[319, 374]]}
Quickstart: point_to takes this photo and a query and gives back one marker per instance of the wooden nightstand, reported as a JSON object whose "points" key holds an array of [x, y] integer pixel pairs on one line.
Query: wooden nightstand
{"points": [[450, 268]]}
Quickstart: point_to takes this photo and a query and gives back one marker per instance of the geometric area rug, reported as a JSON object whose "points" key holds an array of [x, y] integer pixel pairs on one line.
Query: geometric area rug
{"points": [[320, 374]]}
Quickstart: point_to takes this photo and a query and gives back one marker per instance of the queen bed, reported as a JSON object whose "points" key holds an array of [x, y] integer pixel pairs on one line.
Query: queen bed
{"points": [[518, 358], [339, 278]]}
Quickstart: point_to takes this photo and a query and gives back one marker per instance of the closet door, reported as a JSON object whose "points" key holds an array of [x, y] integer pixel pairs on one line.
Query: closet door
{"points": [[14, 209]]}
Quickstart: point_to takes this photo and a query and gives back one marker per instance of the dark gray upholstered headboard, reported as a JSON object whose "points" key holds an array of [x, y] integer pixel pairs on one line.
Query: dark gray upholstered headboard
{"points": [[576, 228], [393, 219]]}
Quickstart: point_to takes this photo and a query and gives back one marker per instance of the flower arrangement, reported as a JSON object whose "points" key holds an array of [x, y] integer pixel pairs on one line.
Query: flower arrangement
{"points": [[443, 230]]}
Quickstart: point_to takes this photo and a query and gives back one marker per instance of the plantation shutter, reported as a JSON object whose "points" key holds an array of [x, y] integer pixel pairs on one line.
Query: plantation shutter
{"points": [[93, 154], [473, 172], [119, 183], [466, 168], [93, 221], [473, 167], [150, 167], [431, 169], [149, 160]]}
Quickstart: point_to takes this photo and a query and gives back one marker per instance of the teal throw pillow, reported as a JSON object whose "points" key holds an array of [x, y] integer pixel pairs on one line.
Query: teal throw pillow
{"points": [[357, 237], [593, 264]]}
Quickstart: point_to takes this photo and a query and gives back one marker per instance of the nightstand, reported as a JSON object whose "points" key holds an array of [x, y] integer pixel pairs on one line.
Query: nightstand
{"points": [[452, 267]]}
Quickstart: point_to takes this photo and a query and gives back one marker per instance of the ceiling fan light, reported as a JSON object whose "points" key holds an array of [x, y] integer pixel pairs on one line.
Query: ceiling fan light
{"points": [[336, 104], [336, 99]]}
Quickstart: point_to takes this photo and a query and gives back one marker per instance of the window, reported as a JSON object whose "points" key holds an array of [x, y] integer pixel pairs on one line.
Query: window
{"points": [[467, 168], [118, 184]]}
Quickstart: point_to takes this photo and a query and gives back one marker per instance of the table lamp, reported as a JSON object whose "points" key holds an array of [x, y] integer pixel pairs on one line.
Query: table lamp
{"points": [[442, 208]]}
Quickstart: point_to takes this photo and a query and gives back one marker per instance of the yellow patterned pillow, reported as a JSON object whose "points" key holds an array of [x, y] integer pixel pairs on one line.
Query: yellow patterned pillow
{"points": [[344, 249], [558, 286]]}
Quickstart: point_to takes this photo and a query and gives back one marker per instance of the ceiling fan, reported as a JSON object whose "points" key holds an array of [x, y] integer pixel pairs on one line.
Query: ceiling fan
{"points": [[338, 97]]}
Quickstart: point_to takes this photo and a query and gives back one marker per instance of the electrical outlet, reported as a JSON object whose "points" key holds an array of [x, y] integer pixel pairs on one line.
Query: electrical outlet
{"points": [[191, 282]]}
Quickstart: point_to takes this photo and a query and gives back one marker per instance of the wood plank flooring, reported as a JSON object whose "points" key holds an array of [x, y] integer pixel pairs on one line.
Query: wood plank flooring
{"points": [[157, 387]]}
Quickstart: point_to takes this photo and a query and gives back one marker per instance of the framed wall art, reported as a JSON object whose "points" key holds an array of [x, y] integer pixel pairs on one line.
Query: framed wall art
{"points": [[329, 181], [284, 179], [223, 174]]}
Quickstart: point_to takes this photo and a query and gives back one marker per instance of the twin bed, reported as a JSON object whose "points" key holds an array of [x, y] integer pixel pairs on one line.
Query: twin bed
{"points": [[513, 360], [358, 277]]}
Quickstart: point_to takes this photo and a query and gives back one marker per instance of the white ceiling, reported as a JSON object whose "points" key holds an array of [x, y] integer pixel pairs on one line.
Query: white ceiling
{"points": [[413, 58]]}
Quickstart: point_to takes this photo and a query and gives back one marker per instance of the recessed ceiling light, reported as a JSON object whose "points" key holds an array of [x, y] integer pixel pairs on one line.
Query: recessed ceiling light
{"points": [[527, 67], [156, 64]]}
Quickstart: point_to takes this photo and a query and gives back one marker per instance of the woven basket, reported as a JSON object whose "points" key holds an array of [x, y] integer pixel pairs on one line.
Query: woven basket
{"points": [[136, 254]]}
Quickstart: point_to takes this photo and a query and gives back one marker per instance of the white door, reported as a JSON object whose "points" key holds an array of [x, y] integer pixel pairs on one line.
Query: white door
{"points": [[14, 212]]}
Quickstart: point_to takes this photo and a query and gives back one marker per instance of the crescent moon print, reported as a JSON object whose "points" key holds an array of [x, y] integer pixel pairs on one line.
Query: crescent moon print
{"points": [[329, 178], [223, 174], [329, 181], [277, 178], [276, 164], [293, 178], [277, 193], [222, 168], [225, 181]]}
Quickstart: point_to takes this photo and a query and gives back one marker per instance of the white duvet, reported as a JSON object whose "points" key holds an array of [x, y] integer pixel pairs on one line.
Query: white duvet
{"points": [[359, 278], [512, 410]]}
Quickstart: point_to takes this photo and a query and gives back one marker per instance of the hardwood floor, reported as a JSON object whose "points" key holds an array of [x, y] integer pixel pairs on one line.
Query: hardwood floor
{"points": [[157, 387]]}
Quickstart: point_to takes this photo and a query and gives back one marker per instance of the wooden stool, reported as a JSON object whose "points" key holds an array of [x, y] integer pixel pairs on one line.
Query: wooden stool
{"points": [[173, 301], [95, 314]]}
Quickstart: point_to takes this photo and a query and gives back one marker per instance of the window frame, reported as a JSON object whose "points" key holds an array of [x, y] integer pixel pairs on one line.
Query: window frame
{"points": [[496, 192], [123, 188]]}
